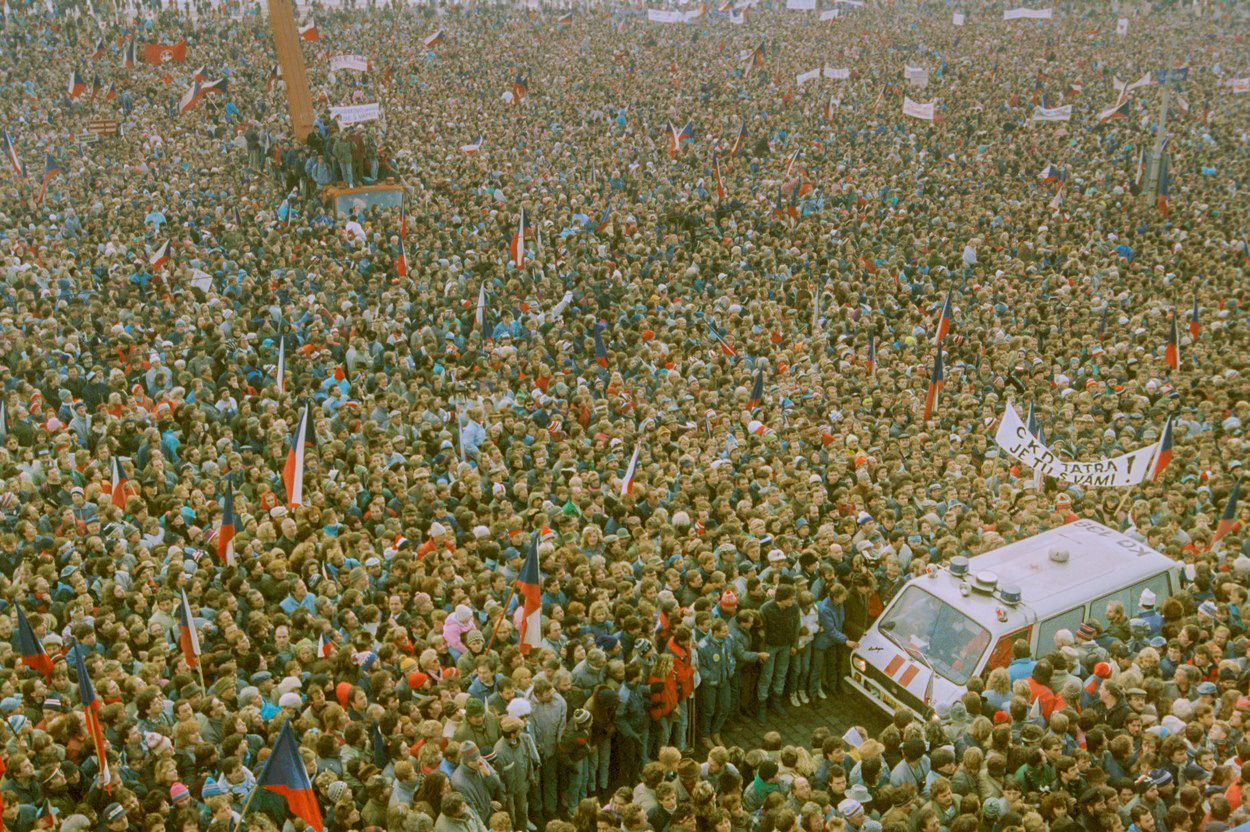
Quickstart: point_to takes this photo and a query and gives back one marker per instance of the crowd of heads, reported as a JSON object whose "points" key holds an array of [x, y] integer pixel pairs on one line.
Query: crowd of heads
{"points": [[700, 402]]}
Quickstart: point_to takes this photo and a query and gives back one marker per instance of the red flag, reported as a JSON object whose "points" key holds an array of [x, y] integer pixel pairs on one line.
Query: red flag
{"points": [[293, 472], [1164, 456], [1172, 352], [1228, 520], [157, 54]]}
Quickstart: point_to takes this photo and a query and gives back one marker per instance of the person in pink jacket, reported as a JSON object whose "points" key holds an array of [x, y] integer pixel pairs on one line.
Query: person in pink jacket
{"points": [[457, 624]]}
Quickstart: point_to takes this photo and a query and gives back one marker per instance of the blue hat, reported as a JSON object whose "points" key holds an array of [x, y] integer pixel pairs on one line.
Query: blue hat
{"points": [[10, 704]]}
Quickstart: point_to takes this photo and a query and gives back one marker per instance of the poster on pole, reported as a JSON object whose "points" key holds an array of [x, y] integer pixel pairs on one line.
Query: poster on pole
{"points": [[356, 63], [958, 18], [1121, 26]]}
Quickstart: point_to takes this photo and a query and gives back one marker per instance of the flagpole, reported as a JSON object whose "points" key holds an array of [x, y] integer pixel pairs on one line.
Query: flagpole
{"points": [[495, 630], [199, 666]]}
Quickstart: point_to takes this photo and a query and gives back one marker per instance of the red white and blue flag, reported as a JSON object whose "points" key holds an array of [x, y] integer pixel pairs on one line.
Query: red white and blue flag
{"points": [[1195, 325], [944, 319], [517, 247], [757, 390], [188, 635], [130, 55], [281, 373], [529, 587], [15, 161], [1164, 456], [51, 170], [1172, 350], [118, 491], [1228, 520], [31, 648], [293, 471], [934, 395], [91, 706], [725, 347], [680, 137], [472, 147], [160, 257], [433, 40], [309, 31], [720, 183], [627, 484], [284, 775], [872, 353], [98, 52], [77, 86], [481, 314], [225, 532], [324, 646], [401, 262], [601, 351]]}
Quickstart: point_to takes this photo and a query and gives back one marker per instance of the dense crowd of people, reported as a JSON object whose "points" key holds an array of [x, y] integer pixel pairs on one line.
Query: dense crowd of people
{"points": [[700, 402]]}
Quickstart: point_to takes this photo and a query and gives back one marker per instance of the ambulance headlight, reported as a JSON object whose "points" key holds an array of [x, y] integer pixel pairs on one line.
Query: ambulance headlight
{"points": [[860, 665]]}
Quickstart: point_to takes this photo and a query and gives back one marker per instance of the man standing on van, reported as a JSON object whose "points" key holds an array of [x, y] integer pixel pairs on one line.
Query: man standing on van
{"points": [[780, 616]]}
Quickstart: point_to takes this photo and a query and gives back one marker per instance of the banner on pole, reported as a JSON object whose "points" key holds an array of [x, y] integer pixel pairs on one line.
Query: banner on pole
{"points": [[1121, 26], [1063, 113], [1028, 14], [356, 63], [1127, 469], [924, 112], [356, 114]]}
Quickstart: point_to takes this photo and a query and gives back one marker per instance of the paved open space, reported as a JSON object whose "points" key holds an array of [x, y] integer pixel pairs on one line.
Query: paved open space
{"points": [[837, 713]]}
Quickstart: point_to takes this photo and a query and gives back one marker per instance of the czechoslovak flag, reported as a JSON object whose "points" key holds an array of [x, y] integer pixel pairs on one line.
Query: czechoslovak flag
{"points": [[293, 473], [529, 587], [225, 533], [1228, 520], [91, 709], [284, 775], [309, 31], [118, 491], [160, 257], [188, 635], [1164, 456], [31, 648], [517, 248], [627, 484], [944, 321], [1172, 351]]}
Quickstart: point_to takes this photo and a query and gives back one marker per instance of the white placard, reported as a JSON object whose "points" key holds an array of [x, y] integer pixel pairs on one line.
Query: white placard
{"points": [[356, 113], [1028, 14], [958, 18], [801, 5], [356, 63], [1121, 26], [828, 14], [837, 73], [1240, 85], [1063, 113], [918, 76], [1127, 469], [803, 77], [924, 112], [665, 16]]}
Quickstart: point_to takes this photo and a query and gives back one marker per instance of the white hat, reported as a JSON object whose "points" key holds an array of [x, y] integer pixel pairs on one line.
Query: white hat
{"points": [[520, 707], [776, 556], [849, 808], [1147, 599], [290, 699], [437, 528]]}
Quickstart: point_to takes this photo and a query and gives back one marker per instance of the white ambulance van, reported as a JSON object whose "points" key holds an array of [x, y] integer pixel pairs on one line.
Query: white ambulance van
{"points": [[960, 621]]}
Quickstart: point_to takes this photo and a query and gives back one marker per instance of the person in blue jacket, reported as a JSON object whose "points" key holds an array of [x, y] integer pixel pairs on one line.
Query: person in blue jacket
{"points": [[830, 643]]}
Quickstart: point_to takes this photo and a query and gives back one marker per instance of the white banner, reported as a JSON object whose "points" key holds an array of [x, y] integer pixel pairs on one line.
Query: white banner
{"points": [[356, 114], [1240, 85], [665, 16], [1063, 113], [1128, 469], [356, 63], [855, 3], [1145, 80], [958, 18], [1121, 26], [828, 14], [801, 5], [837, 74], [1028, 14], [803, 77], [925, 112], [737, 18], [917, 75]]}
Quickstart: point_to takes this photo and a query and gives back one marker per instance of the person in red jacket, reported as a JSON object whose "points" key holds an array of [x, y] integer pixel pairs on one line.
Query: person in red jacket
{"points": [[680, 645], [662, 701]]}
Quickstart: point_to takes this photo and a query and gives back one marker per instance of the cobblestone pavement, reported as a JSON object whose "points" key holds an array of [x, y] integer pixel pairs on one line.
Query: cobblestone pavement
{"points": [[838, 713]]}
